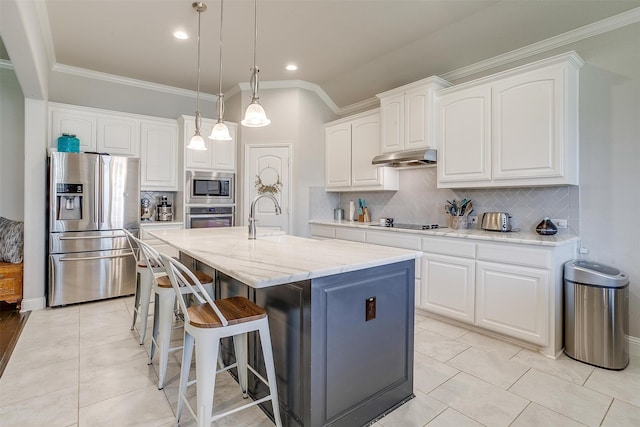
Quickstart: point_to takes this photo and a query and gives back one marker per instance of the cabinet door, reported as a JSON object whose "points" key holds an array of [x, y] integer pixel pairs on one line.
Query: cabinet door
{"points": [[365, 145], [80, 124], [513, 300], [417, 103], [464, 137], [196, 159], [392, 123], [528, 119], [159, 156], [448, 286], [224, 152], [118, 135], [338, 155]]}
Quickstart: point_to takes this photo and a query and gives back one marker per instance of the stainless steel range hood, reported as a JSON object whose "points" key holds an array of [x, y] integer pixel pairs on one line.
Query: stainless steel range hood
{"points": [[400, 159]]}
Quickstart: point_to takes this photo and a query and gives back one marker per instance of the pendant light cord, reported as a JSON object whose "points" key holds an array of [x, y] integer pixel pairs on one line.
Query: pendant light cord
{"points": [[254, 74], [200, 8], [220, 104]]}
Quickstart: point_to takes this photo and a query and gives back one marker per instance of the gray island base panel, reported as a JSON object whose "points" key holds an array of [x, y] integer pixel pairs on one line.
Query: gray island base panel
{"points": [[341, 316], [335, 367]]}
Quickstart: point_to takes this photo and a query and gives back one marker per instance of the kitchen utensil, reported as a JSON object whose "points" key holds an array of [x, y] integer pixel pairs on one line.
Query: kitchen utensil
{"points": [[546, 227], [338, 214], [467, 208], [496, 221]]}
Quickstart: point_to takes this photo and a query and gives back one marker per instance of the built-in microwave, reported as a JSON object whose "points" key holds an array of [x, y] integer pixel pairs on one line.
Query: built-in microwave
{"points": [[211, 188]]}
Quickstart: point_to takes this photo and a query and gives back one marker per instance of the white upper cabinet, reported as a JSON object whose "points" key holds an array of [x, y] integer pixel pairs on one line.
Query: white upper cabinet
{"points": [[529, 125], [159, 157], [407, 115], [351, 145], [220, 155], [98, 130], [464, 132], [338, 155], [515, 128], [75, 121], [118, 135]]}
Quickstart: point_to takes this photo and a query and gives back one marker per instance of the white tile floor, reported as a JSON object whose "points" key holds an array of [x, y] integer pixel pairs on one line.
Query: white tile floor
{"points": [[81, 366]]}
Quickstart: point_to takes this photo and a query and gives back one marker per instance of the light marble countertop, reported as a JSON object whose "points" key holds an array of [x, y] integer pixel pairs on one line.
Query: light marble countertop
{"points": [[523, 237], [151, 224], [275, 258]]}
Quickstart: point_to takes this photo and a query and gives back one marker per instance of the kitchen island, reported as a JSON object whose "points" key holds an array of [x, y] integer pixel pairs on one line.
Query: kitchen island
{"points": [[341, 316]]}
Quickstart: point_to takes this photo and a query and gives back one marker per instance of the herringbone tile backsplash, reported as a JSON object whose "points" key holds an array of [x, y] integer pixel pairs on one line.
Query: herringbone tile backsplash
{"points": [[419, 201]]}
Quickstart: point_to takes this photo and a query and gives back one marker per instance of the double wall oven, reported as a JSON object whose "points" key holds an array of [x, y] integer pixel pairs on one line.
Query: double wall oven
{"points": [[210, 199]]}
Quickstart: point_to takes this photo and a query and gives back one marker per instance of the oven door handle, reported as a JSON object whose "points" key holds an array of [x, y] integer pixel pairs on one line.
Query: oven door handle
{"points": [[209, 215]]}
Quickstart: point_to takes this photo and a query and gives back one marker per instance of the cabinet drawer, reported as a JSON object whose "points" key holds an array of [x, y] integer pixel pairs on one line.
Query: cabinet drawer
{"points": [[322, 231], [350, 234], [515, 255], [395, 240], [453, 247]]}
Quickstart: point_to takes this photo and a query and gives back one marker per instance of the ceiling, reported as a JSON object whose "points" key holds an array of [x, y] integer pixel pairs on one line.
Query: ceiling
{"points": [[352, 49]]}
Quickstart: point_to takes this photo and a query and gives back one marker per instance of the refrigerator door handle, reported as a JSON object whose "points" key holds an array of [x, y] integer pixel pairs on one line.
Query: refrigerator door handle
{"points": [[116, 236], [95, 257]]}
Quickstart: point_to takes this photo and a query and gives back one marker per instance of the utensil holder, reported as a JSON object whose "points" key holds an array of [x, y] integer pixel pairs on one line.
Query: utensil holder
{"points": [[458, 222]]}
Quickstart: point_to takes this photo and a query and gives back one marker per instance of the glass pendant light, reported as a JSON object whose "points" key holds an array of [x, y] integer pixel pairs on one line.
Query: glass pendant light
{"points": [[255, 116], [197, 142], [220, 131]]}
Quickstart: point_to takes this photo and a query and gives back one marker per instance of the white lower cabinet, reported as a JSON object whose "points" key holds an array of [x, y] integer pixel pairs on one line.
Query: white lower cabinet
{"points": [[448, 286], [513, 300], [513, 289]]}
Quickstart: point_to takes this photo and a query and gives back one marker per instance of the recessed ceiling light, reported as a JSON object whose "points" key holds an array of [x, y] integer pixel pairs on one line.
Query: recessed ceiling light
{"points": [[292, 67], [181, 35]]}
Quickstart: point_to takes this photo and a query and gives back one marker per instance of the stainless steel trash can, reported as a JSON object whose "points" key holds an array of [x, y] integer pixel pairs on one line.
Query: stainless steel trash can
{"points": [[596, 314]]}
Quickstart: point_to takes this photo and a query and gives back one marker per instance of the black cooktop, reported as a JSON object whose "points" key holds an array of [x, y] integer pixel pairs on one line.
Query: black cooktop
{"points": [[414, 226]]}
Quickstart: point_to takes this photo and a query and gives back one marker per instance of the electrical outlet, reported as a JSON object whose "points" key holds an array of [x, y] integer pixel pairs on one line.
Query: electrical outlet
{"points": [[472, 219], [560, 223]]}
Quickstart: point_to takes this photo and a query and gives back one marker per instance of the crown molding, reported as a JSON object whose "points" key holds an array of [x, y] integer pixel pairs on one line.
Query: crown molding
{"points": [[112, 78], [603, 26], [289, 84], [6, 64]]}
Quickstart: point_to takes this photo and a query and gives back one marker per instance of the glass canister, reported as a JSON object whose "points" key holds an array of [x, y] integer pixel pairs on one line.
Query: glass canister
{"points": [[68, 143]]}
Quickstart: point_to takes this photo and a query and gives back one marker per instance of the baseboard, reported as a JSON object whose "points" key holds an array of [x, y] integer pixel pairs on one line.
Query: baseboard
{"points": [[32, 304], [634, 345]]}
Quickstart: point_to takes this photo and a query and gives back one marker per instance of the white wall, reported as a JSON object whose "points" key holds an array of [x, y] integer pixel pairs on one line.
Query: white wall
{"points": [[11, 146], [610, 153], [297, 118]]}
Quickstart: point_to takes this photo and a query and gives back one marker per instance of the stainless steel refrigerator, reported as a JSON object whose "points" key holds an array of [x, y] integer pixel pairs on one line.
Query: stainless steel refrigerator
{"points": [[92, 197]]}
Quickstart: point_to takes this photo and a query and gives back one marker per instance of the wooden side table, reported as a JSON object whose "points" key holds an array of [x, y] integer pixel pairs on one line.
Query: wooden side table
{"points": [[11, 283]]}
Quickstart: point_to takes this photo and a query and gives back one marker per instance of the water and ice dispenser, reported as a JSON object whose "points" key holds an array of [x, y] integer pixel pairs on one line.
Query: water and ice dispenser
{"points": [[69, 201]]}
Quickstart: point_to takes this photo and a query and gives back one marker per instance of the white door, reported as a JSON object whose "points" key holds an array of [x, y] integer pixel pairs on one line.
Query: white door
{"points": [[267, 171]]}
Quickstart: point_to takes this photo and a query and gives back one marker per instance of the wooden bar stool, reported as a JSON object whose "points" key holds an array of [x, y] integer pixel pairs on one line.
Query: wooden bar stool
{"points": [[206, 323], [165, 300], [144, 283]]}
